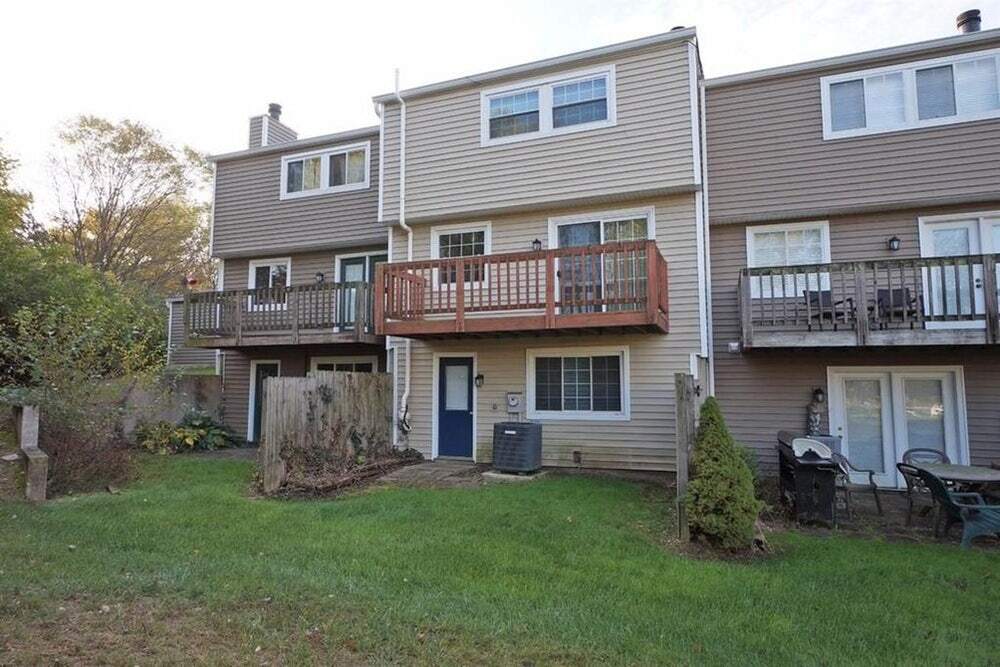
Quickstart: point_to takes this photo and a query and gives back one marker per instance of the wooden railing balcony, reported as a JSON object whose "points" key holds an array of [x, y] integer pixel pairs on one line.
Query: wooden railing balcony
{"points": [[614, 286], [320, 313], [920, 301]]}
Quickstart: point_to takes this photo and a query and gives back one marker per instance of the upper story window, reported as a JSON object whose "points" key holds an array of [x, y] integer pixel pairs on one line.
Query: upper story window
{"points": [[947, 90], [564, 103], [789, 244], [270, 277], [451, 241], [326, 170]]}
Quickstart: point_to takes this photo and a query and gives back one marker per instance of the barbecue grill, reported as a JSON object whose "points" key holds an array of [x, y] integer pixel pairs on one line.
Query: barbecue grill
{"points": [[807, 481]]}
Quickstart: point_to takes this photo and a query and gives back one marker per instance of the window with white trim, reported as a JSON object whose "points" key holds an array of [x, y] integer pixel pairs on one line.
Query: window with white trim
{"points": [[268, 277], [570, 102], [790, 244], [940, 91], [453, 241], [589, 383], [325, 171]]}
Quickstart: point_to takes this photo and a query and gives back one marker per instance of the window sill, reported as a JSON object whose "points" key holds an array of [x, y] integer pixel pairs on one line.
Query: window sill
{"points": [[579, 416]]}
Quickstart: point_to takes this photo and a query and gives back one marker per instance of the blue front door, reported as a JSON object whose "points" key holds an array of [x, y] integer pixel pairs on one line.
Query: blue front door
{"points": [[455, 407]]}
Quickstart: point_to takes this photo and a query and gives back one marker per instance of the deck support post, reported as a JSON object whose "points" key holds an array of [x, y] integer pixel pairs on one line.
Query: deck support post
{"points": [[684, 429], [990, 294]]}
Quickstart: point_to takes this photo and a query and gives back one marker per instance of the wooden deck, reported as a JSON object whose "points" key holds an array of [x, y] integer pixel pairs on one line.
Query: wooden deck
{"points": [[877, 303], [325, 313], [609, 287]]}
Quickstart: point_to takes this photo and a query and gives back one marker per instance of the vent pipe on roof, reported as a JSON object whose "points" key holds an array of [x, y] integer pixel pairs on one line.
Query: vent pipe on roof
{"points": [[274, 110], [969, 21]]}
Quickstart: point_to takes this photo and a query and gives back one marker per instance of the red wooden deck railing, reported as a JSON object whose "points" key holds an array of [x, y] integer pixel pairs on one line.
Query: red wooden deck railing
{"points": [[614, 285]]}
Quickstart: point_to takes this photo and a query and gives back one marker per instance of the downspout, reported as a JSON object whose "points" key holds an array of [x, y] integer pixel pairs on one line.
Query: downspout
{"points": [[405, 402]]}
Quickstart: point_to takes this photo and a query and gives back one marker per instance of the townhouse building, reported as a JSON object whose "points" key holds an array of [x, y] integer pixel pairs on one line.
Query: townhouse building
{"points": [[854, 207]]}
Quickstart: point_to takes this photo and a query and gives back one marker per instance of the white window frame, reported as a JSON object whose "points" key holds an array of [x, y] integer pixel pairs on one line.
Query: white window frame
{"points": [[435, 250], [368, 254], [824, 227], [648, 212], [908, 71], [324, 170], [253, 392], [625, 414], [251, 276], [343, 359], [544, 87]]}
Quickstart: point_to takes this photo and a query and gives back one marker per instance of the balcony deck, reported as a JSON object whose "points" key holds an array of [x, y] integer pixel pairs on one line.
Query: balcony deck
{"points": [[921, 301], [325, 313], [619, 287]]}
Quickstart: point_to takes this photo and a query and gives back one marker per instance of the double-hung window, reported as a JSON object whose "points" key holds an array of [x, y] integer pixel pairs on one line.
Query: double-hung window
{"points": [[324, 171], [589, 383], [953, 89], [555, 105], [269, 279], [454, 241], [793, 244]]}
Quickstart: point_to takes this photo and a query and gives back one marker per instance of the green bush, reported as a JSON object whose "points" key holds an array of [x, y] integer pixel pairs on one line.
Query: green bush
{"points": [[196, 432], [721, 504]]}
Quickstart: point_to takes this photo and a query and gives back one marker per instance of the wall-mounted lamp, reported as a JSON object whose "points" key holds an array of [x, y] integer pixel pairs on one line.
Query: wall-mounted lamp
{"points": [[320, 277], [536, 245], [480, 380], [819, 395], [894, 244]]}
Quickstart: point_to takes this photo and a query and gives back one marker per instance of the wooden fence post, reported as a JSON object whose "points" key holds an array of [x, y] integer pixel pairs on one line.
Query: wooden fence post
{"points": [[271, 463], [37, 462], [684, 430]]}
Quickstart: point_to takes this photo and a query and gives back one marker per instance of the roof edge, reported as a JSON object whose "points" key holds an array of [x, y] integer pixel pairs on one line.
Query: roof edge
{"points": [[527, 68], [823, 63], [298, 143]]}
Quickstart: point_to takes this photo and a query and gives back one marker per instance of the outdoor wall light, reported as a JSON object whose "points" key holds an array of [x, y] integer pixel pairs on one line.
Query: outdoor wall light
{"points": [[320, 277], [536, 245], [894, 243], [480, 380], [819, 395]]}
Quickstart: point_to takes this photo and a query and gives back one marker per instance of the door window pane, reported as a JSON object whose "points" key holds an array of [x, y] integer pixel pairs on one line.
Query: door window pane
{"points": [[884, 105], [951, 242], [925, 426], [976, 88], [935, 92], [456, 387], [863, 405], [847, 105]]}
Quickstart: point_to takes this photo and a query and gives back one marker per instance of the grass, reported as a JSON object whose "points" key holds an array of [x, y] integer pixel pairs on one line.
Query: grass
{"points": [[566, 570]]}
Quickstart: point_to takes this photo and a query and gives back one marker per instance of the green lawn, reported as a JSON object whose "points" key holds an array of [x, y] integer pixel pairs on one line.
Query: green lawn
{"points": [[564, 570]]}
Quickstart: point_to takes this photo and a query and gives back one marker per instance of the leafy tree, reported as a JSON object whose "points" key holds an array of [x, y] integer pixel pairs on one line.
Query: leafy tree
{"points": [[128, 203], [720, 501]]}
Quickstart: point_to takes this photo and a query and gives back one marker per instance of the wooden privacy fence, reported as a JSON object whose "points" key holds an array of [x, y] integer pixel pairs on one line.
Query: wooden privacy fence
{"points": [[323, 424]]}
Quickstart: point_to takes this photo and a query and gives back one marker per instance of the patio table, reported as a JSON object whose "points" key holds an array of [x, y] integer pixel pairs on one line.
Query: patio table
{"points": [[959, 474]]}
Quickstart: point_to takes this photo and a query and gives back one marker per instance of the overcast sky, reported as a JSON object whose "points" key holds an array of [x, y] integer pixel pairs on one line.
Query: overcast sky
{"points": [[197, 70]]}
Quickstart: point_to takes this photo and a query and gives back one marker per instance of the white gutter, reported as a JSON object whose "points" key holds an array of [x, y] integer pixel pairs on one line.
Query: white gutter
{"points": [[405, 402]]}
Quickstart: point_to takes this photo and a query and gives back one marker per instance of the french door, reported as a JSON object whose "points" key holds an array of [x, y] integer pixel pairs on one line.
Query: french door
{"points": [[880, 413], [358, 269], [957, 290]]}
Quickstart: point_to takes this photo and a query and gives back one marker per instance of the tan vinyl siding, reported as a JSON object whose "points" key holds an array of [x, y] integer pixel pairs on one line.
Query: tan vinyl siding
{"points": [[256, 137], [250, 219], [305, 266], [390, 156], [767, 157], [764, 391], [179, 355], [646, 441], [449, 174]]}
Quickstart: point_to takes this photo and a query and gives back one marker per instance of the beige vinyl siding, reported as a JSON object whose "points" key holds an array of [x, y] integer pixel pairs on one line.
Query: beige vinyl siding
{"points": [[390, 157], [764, 391], [305, 266], [646, 441], [179, 355], [256, 137], [450, 175], [767, 158], [295, 362], [251, 219]]}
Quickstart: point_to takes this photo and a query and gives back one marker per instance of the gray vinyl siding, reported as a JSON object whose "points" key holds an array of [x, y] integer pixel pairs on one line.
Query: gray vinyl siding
{"points": [[279, 133], [295, 362], [305, 266], [767, 158], [646, 440], [251, 219], [179, 355], [764, 391], [450, 175], [256, 137]]}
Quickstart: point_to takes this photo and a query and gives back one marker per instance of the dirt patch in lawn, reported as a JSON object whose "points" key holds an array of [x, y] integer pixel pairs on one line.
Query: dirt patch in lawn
{"points": [[149, 631]]}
